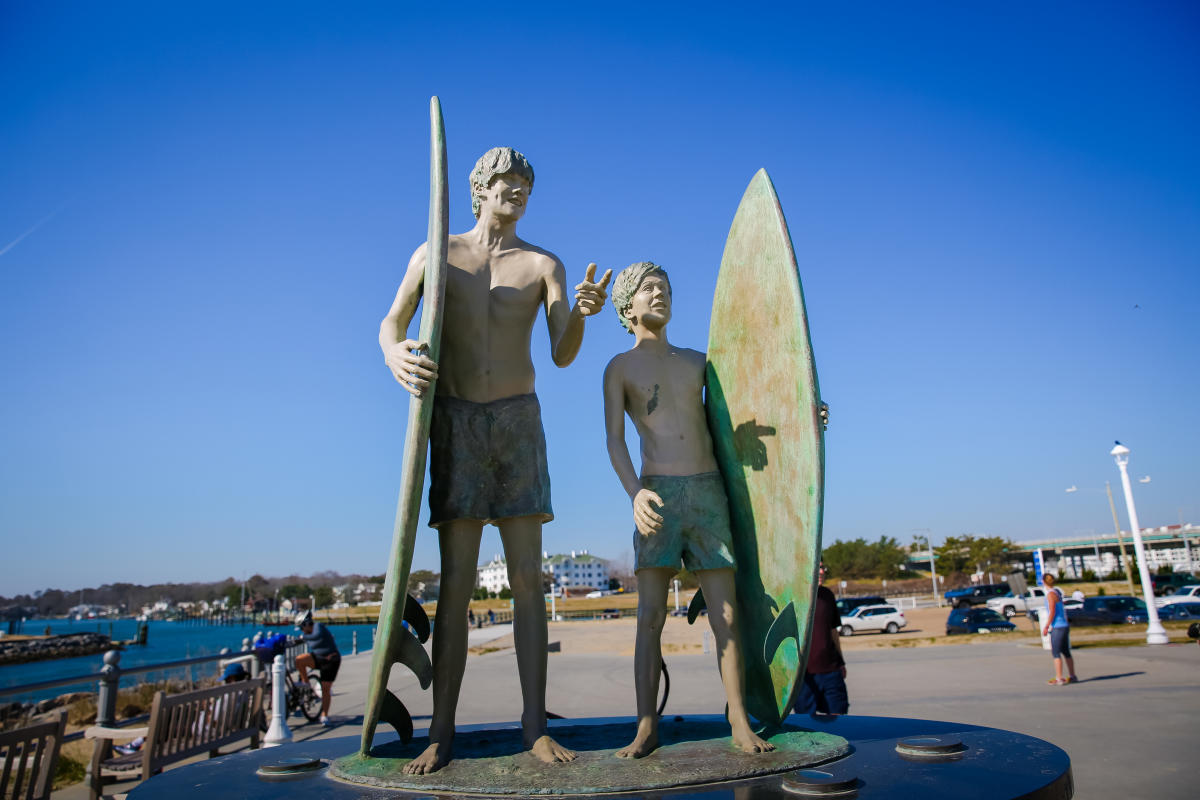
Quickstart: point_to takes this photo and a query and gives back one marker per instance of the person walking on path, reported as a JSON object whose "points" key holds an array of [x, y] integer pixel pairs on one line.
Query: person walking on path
{"points": [[824, 688], [323, 655], [1059, 631]]}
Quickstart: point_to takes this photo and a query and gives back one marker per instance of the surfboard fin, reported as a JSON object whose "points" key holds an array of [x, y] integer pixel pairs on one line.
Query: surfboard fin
{"points": [[412, 655], [783, 628], [416, 618], [696, 606], [395, 714]]}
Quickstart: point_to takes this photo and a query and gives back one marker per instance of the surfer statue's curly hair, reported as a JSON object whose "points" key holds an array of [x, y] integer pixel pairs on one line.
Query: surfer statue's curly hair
{"points": [[626, 286], [497, 161]]}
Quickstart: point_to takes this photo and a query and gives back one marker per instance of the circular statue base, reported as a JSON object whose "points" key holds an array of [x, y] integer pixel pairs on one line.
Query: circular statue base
{"points": [[886, 759], [494, 762]]}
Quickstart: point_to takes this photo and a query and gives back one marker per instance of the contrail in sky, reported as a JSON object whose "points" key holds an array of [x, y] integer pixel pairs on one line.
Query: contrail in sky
{"points": [[36, 225]]}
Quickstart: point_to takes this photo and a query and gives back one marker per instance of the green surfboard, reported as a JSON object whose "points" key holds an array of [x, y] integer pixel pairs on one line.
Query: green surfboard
{"points": [[764, 413], [394, 642]]}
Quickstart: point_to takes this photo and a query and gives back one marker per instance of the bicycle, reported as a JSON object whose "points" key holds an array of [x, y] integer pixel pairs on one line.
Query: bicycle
{"points": [[304, 698]]}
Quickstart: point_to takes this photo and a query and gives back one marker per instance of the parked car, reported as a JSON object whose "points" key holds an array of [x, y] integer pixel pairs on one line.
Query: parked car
{"points": [[1183, 594], [1166, 584], [1110, 610], [848, 604], [1069, 603], [1008, 605], [1180, 611], [976, 620], [976, 595], [873, 618]]}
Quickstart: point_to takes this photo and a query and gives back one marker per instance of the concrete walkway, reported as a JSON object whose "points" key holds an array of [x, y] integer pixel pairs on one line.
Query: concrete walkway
{"points": [[1129, 726]]}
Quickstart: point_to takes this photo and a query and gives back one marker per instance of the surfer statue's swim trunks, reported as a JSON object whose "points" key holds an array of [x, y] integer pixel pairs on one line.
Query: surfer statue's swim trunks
{"points": [[695, 526], [487, 461]]}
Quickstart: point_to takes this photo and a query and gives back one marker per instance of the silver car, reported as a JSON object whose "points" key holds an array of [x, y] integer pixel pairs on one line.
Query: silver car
{"points": [[873, 618]]}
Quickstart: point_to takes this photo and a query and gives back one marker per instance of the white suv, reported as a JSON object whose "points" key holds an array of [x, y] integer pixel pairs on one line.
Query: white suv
{"points": [[873, 618], [1184, 594]]}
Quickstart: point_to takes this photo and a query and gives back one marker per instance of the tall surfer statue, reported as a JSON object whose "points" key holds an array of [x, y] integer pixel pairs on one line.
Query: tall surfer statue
{"points": [[487, 448]]}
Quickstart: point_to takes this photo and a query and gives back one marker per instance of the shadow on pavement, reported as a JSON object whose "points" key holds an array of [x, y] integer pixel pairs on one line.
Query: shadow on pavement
{"points": [[1111, 677]]}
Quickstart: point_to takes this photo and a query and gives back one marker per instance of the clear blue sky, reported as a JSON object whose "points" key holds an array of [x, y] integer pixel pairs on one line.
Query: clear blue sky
{"points": [[205, 209]]}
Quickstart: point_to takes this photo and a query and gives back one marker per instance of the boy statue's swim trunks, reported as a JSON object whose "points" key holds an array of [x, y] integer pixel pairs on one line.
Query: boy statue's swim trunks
{"points": [[695, 526], [487, 461]]}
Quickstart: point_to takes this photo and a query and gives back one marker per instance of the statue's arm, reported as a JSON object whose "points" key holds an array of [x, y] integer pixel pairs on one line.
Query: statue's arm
{"points": [[614, 427], [413, 370], [566, 322], [648, 520]]}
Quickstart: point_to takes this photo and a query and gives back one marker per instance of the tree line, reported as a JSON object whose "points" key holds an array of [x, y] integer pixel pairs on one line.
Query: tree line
{"points": [[887, 559], [256, 591]]}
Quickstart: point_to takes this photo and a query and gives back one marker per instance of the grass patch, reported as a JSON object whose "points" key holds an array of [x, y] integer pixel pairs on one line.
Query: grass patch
{"points": [[485, 649], [919, 642], [68, 771], [1124, 642]]}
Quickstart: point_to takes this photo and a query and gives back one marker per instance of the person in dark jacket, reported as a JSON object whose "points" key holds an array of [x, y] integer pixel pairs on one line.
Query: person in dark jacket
{"points": [[322, 655], [824, 687]]}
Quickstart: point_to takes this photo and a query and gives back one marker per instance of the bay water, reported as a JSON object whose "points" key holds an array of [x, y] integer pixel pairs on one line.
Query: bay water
{"points": [[167, 641]]}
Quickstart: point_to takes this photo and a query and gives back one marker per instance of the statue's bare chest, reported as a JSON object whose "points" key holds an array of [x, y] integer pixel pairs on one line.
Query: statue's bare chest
{"points": [[499, 286]]}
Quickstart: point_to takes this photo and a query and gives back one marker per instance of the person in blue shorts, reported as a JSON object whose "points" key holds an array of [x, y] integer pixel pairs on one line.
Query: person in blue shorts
{"points": [[1059, 630]]}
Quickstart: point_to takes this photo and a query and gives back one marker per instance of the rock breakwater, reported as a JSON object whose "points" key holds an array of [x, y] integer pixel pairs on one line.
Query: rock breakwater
{"points": [[69, 645]]}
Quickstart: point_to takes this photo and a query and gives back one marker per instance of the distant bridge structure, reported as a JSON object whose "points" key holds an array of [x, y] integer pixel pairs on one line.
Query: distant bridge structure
{"points": [[1177, 546], [1068, 556]]}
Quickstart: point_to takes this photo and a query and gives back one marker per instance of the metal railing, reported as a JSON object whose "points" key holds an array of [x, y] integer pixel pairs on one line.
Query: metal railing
{"points": [[109, 677]]}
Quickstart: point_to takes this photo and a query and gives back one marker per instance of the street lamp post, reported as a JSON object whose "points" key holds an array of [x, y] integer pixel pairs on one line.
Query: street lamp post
{"points": [[1155, 633], [937, 598]]}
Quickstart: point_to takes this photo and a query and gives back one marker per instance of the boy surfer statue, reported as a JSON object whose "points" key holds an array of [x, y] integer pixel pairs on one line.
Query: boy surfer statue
{"points": [[679, 503], [487, 458]]}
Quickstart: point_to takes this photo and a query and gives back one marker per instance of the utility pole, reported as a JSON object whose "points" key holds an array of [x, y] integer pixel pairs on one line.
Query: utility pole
{"points": [[1120, 540], [937, 598]]}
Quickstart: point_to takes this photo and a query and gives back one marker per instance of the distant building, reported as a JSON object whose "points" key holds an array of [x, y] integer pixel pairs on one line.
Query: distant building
{"points": [[579, 568], [493, 575]]}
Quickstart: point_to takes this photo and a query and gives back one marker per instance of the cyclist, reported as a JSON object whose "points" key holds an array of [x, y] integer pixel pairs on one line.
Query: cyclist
{"points": [[322, 655]]}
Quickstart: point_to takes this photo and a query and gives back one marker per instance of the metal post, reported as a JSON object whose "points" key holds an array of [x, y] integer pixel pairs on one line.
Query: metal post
{"points": [[676, 582], [1120, 539], [255, 667], [354, 643], [278, 733], [106, 700], [1155, 633]]}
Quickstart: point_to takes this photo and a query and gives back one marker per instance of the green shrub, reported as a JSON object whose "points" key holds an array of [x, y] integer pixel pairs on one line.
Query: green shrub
{"points": [[67, 771]]}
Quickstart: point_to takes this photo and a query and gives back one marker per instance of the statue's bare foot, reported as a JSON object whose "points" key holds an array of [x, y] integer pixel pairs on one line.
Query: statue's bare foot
{"points": [[748, 742], [436, 756], [550, 751], [643, 744]]}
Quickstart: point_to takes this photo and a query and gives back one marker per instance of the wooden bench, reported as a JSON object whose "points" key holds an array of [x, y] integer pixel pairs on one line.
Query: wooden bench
{"points": [[27, 759], [181, 726]]}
